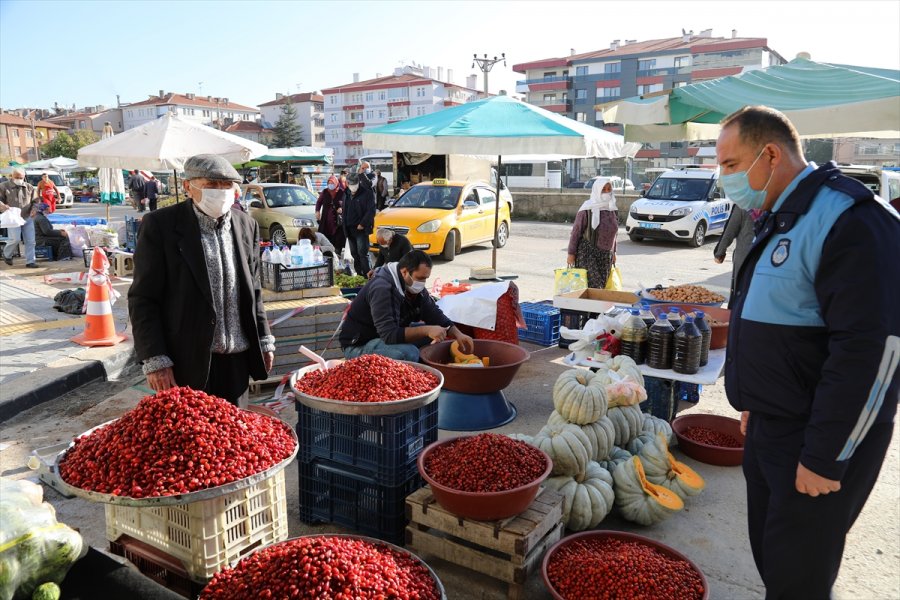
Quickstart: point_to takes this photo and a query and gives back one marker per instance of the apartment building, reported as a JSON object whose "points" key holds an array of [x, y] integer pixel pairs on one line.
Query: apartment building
{"points": [[91, 118], [310, 115], [867, 151], [253, 131], [206, 110], [411, 91], [20, 138]]}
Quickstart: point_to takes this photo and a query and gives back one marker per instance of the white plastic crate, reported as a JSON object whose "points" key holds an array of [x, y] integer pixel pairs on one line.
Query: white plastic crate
{"points": [[211, 534]]}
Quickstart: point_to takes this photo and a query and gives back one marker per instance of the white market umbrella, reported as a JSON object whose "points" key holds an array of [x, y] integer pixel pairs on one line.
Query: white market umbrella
{"points": [[60, 163], [112, 185]]}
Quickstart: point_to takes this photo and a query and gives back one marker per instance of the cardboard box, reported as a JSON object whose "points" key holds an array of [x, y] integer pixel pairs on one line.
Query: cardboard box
{"points": [[594, 301]]}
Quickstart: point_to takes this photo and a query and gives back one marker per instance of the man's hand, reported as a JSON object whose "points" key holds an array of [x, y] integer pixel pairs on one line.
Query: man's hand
{"points": [[162, 379], [719, 259], [369, 274], [65, 232], [436, 333], [318, 215], [359, 227], [570, 260], [268, 360], [812, 485], [745, 416], [466, 343]]}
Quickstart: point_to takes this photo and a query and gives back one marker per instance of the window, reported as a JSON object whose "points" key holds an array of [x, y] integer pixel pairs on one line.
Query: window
{"points": [[517, 170], [420, 110], [370, 96], [28, 134], [549, 74], [381, 114], [357, 98], [609, 92], [382, 95], [356, 116], [649, 89], [679, 84], [398, 93], [370, 114], [487, 196], [580, 94], [581, 71], [205, 113], [15, 133], [334, 117], [615, 67], [581, 117], [682, 61], [333, 99], [420, 92], [646, 65], [549, 98]]}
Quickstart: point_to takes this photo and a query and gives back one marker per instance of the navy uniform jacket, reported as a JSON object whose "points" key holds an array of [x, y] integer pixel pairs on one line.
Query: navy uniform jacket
{"points": [[815, 327]]}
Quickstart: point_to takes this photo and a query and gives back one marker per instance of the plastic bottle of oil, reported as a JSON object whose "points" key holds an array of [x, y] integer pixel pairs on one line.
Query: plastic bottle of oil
{"points": [[634, 337], [659, 343], [706, 332], [687, 342]]}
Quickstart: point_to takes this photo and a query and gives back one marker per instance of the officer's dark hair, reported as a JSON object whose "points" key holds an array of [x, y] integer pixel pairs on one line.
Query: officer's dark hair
{"points": [[761, 125], [413, 260]]}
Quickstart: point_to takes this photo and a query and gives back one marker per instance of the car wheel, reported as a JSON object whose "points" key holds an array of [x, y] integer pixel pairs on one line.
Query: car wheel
{"points": [[699, 235], [502, 235], [277, 235], [449, 252], [635, 237]]}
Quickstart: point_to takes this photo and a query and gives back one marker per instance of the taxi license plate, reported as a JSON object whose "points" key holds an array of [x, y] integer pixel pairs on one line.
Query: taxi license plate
{"points": [[650, 225]]}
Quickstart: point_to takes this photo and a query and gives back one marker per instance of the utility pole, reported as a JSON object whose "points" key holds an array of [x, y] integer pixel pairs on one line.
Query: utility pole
{"points": [[486, 64], [34, 140]]}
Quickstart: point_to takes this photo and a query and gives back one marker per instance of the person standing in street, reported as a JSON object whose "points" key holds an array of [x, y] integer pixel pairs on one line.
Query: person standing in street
{"points": [[329, 209], [392, 246], [359, 218], [195, 303], [739, 229], [592, 242], [151, 193], [136, 188], [381, 191], [47, 192], [46, 235], [813, 349], [18, 193]]}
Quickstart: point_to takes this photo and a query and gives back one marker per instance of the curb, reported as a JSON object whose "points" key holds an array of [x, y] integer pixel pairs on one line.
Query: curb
{"points": [[35, 388]]}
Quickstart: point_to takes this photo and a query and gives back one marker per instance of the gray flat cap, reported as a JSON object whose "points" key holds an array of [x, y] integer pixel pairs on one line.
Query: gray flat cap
{"points": [[210, 166]]}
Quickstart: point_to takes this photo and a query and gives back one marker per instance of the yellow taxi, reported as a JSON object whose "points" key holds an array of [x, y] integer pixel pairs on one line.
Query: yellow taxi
{"points": [[443, 217]]}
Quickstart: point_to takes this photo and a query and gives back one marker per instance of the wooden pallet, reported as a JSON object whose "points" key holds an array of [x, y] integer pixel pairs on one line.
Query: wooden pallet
{"points": [[508, 550]]}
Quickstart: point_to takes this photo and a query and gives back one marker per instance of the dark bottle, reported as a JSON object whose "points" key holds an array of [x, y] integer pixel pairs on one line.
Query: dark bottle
{"points": [[706, 332], [687, 342], [675, 317], [659, 343], [634, 337], [646, 315]]}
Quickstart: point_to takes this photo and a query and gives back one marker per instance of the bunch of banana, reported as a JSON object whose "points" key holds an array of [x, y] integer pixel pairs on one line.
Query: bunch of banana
{"points": [[467, 360]]}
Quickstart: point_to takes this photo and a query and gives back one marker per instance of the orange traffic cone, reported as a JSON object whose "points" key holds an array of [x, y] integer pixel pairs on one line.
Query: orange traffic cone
{"points": [[99, 327]]}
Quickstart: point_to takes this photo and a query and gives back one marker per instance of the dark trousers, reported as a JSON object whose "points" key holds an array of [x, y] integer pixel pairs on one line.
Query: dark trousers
{"points": [[229, 378], [798, 540], [359, 248], [61, 247], [152, 202]]}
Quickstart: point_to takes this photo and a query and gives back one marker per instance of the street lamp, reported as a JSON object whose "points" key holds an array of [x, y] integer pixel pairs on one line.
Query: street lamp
{"points": [[486, 64]]}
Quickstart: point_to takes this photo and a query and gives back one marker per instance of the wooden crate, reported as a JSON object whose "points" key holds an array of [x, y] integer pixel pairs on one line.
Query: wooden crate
{"points": [[508, 550]]}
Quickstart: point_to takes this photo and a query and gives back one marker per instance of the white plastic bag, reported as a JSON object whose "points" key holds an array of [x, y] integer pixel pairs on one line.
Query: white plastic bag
{"points": [[12, 217], [78, 239]]}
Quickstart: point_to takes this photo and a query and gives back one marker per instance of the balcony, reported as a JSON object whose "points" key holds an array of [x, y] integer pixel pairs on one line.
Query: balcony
{"points": [[657, 72], [543, 80], [598, 77], [564, 102]]}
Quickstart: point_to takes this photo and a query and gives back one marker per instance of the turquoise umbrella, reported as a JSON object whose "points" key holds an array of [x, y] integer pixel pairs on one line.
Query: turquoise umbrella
{"points": [[498, 126], [820, 99]]}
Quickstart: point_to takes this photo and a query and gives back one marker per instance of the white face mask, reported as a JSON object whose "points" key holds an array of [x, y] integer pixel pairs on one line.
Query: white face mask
{"points": [[19, 182], [417, 286], [216, 203], [607, 197]]}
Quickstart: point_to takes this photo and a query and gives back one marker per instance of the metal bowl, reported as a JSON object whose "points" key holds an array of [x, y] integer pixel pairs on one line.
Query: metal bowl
{"points": [[628, 537], [505, 360], [198, 496], [344, 407], [437, 581]]}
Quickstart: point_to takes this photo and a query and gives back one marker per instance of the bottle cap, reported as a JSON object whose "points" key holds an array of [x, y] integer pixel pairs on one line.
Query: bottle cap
{"points": [[645, 305], [675, 310], [689, 319], [699, 314], [664, 316], [634, 311]]}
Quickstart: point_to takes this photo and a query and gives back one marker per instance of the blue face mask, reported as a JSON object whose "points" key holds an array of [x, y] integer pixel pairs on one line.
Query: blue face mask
{"points": [[331, 186], [737, 188]]}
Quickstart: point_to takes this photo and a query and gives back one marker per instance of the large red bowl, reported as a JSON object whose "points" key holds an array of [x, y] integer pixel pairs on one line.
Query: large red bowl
{"points": [[711, 455], [505, 360], [628, 537], [482, 506]]}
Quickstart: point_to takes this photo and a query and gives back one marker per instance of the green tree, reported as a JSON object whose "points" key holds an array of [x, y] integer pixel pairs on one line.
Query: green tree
{"points": [[287, 131], [65, 144]]}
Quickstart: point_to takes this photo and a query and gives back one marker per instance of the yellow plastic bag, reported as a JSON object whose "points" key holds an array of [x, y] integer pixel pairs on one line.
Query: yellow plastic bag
{"points": [[614, 281], [569, 280]]}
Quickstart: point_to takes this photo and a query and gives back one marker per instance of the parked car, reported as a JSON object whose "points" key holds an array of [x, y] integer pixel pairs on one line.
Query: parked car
{"points": [[443, 217], [683, 204], [281, 210], [66, 197], [615, 180]]}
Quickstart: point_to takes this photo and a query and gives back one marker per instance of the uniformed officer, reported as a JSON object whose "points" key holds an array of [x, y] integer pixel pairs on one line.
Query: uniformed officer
{"points": [[813, 348]]}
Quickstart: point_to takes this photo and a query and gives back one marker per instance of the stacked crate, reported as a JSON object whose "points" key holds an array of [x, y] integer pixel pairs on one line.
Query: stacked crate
{"points": [[357, 470], [309, 322]]}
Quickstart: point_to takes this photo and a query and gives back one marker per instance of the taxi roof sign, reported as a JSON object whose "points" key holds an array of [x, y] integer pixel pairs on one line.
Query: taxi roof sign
{"points": [[439, 181]]}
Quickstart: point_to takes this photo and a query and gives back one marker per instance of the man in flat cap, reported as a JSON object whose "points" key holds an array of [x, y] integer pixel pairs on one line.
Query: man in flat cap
{"points": [[195, 304]]}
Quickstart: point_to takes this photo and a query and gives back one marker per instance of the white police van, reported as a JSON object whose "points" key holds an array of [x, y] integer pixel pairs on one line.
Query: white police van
{"points": [[684, 204]]}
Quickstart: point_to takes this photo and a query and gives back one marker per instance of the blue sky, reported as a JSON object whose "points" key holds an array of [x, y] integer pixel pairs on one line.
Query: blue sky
{"points": [[84, 53]]}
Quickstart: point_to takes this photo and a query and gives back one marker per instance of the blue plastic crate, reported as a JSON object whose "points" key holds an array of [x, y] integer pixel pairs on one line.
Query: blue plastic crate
{"points": [[332, 493], [542, 322], [384, 447]]}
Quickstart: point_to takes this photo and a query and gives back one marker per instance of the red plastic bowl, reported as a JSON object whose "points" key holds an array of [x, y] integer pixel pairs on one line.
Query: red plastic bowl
{"points": [[505, 362], [629, 537], [711, 455], [482, 506]]}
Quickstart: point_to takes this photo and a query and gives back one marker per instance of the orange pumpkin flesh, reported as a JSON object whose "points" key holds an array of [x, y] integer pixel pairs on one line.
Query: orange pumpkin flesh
{"points": [[664, 497]]}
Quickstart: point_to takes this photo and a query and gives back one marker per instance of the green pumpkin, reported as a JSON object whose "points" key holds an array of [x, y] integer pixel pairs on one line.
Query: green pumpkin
{"points": [[635, 445], [569, 448], [579, 397], [601, 433], [656, 425], [662, 469], [627, 421], [639, 500], [587, 498], [616, 456]]}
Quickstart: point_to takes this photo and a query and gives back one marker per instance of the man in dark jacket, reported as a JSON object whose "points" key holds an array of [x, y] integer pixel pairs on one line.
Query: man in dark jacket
{"points": [[813, 349], [45, 235], [136, 188], [195, 303], [151, 192], [380, 317], [392, 246], [359, 218]]}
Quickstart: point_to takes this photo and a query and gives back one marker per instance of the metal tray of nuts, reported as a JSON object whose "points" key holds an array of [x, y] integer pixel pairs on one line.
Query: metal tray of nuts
{"points": [[198, 496], [344, 407]]}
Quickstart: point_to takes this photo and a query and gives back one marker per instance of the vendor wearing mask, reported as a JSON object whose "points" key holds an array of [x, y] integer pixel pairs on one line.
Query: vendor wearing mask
{"points": [[195, 303], [380, 317], [18, 193], [392, 247]]}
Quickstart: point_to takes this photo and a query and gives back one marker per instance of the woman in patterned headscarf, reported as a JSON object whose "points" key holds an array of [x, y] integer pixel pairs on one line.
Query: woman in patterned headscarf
{"points": [[329, 210], [592, 243]]}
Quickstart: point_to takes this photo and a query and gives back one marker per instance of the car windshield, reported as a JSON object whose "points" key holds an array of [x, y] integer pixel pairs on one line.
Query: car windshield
{"points": [[430, 196], [686, 190], [289, 195], [35, 179]]}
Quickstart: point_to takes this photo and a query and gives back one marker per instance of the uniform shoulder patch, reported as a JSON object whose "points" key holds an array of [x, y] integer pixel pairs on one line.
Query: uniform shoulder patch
{"points": [[781, 252]]}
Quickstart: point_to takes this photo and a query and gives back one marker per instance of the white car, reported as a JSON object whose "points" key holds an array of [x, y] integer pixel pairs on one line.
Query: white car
{"points": [[618, 184], [683, 204], [66, 197]]}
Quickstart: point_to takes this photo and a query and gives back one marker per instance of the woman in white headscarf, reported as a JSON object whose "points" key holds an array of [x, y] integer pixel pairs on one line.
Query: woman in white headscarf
{"points": [[592, 243]]}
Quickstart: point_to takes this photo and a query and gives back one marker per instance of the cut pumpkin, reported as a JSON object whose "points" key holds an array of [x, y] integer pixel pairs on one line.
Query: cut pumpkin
{"points": [[638, 499], [663, 469]]}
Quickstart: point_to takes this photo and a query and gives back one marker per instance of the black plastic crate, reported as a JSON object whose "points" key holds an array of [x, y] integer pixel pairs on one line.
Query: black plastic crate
{"points": [[542, 323], [384, 447], [331, 493], [279, 278], [132, 226], [573, 319]]}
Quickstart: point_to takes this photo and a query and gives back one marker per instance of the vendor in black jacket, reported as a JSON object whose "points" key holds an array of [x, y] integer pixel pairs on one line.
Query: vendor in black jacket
{"points": [[46, 235], [359, 217], [392, 247], [379, 318]]}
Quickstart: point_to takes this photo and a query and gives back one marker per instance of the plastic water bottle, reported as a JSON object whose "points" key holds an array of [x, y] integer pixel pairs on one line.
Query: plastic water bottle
{"points": [[706, 332], [646, 315], [675, 317], [306, 250], [634, 337], [297, 256], [318, 257], [285, 257], [659, 343], [687, 342], [267, 255], [274, 255]]}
